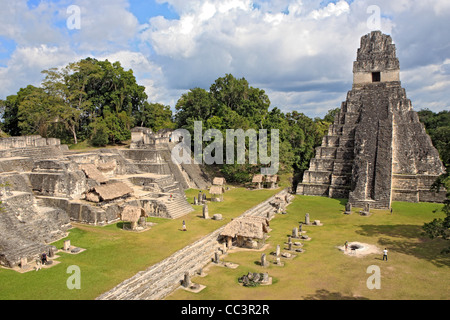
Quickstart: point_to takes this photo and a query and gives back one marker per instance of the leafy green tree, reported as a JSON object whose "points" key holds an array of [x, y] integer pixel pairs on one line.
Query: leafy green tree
{"points": [[331, 114], [118, 126], [437, 126], [156, 116], [74, 99], [36, 112], [195, 105], [100, 137], [9, 112], [66, 102], [238, 96]]}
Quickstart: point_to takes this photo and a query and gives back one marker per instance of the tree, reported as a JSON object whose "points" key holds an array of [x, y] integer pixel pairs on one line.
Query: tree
{"points": [[74, 99], [437, 126], [117, 126], [331, 114], [195, 105], [67, 106], [36, 112], [9, 110], [156, 116], [238, 96], [440, 228]]}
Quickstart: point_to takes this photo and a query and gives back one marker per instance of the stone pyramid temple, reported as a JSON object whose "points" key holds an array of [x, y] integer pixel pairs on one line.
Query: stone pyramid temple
{"points": [[376, 151]]}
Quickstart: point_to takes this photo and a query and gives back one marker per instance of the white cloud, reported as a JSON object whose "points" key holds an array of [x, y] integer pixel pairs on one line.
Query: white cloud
{"points": [[26, 64], [331, 10], [292, 49], [300, 52]]}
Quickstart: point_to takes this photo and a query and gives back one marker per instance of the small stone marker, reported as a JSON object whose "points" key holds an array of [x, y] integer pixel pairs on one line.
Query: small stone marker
{"points": [[348, 208], [66, 245], [366, 210], [187, 280], [307, 219], [216, 257], [23, 262], [263, 260], [295, 233], [75, 250], [142, 222], [195, 201], [205, 211], [278, 251]]}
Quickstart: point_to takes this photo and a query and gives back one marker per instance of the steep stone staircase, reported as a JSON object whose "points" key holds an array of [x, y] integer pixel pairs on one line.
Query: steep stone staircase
{"points": [[177, 206]]}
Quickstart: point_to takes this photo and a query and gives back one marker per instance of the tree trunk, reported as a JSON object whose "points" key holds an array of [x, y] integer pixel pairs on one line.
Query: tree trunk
{"points": [[74, 132]]}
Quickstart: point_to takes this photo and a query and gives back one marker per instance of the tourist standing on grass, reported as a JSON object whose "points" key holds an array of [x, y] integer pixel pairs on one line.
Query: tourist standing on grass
{"points": [[184, 226], [385, 254], [346, 246]]}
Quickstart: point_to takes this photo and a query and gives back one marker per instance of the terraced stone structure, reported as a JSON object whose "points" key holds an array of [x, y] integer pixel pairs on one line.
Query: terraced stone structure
{"points": [[376, 151], [44, 187]]}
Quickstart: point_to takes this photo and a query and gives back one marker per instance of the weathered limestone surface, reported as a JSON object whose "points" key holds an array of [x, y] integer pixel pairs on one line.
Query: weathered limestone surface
{"points": [[46, 186], [27, 228], [151, 152], [376, 150]]}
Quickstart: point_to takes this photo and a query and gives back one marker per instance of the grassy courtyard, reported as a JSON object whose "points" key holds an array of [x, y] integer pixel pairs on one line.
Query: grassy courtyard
{"points": [[113, 255], [415, 269]]}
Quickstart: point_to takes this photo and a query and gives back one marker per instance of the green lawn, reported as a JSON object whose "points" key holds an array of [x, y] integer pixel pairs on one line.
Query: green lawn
{"points": [[114, 255], [415, 269]]}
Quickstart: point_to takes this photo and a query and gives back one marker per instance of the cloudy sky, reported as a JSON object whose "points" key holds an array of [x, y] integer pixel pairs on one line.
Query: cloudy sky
{"points": [[299, 51]]}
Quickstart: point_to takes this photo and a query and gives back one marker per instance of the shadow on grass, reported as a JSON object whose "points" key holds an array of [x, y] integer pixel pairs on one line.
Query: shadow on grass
{"points": [[410, 241], [327, 295], [119, 225]]}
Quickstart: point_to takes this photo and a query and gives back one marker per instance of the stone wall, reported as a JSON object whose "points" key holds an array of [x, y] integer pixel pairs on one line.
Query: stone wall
{"points": [[27, 228]]}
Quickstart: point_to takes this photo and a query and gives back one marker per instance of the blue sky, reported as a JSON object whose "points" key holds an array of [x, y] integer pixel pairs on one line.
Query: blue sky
{"points": [[299, 51]]}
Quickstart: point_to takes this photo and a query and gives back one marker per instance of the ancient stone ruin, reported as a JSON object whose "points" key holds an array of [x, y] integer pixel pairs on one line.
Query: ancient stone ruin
{"points": [[376, 151], [253, 279], [44, 187], [249, 232]]}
